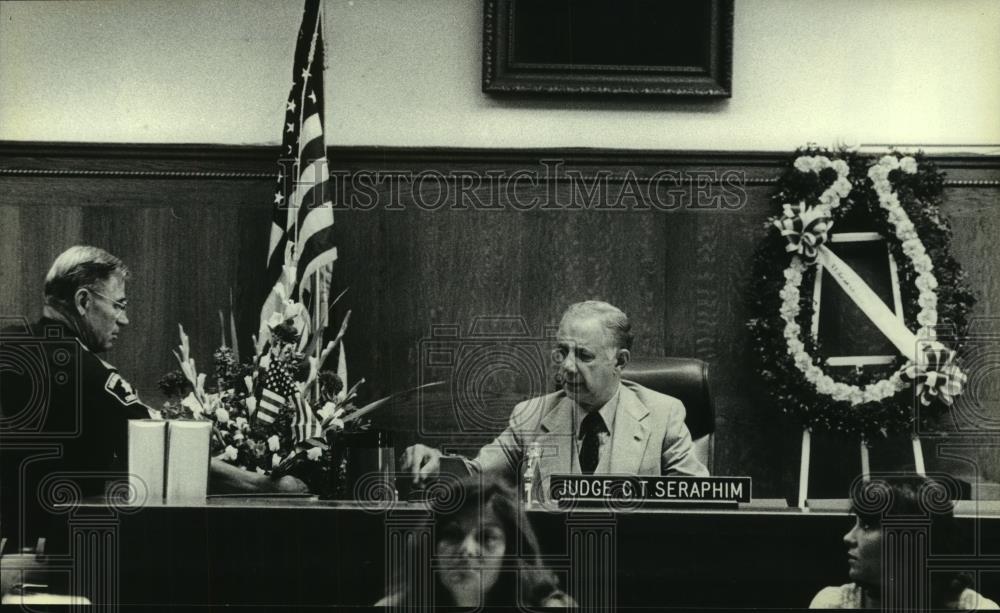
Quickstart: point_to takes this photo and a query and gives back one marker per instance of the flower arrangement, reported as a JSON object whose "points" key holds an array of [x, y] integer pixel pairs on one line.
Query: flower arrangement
{"points": [[270, 414], [897, 196]]}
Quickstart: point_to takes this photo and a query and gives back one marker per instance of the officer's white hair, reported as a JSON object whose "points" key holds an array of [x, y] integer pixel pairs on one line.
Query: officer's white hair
{"points": [[80, 266]]}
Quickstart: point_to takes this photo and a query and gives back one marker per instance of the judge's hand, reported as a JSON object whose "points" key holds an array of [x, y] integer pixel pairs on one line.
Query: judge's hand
{"points": [[422, 461]]}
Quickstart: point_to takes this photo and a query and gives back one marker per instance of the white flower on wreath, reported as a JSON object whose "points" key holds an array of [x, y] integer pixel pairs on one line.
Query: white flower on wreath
{"points": [[908, 164], [231, 453], [273, 443], [839, 189]]}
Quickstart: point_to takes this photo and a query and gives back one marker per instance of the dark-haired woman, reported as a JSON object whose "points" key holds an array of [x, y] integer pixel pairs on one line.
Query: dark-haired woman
{"points": [[485, 553], [872, 504]]}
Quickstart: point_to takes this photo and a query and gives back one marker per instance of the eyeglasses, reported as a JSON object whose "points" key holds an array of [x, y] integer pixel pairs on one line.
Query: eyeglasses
{"points": [[120, 305]]}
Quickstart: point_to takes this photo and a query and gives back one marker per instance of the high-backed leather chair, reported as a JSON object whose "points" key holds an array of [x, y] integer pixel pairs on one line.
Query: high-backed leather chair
{"points": [[687, 380]]}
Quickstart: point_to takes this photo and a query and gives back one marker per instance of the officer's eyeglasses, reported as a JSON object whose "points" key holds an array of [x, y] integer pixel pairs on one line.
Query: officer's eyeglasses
{"points": [[120, 305]]}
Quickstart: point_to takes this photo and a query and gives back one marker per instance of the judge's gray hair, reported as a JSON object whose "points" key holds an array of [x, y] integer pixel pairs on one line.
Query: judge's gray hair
{"points": [[613, 318]]}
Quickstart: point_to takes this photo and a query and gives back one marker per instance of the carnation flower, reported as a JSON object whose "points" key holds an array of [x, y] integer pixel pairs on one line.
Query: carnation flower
{"points": [[908, 165], [889, 161], [927, 317], [274, 443], [231, 453], [314, 453]]}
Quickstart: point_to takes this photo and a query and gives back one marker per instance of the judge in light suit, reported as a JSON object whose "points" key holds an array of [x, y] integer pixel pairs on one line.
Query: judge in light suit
{"points": [[595, 424]]}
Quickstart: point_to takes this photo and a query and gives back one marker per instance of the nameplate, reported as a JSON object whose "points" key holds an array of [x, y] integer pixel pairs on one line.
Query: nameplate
{"points": [[597, 488]]}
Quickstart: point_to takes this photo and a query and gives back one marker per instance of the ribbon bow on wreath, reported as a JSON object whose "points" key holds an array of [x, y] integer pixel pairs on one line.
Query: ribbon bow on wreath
{"points": [[936, 374], [805, 229]]}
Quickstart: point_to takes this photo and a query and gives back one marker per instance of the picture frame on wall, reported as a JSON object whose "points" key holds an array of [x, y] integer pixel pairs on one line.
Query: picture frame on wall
{"points": [[627, 48]]}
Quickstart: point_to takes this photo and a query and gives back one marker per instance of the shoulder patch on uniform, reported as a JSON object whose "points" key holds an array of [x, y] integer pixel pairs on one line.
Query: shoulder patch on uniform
{"points": [[121, 389]]}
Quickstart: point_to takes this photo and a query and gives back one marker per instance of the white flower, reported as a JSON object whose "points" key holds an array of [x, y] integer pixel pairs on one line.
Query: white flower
{"points": [[221, 415], [275, 460], [795, 346], [191, 403], [804, 163], [889, 161], [261, 471], [927, 317], [274, 443], [337, 423], [238, 436], [814, 373], [314, 453], [251, 403], [825, 385], [327, 410], [908, 165], [922, 263], [242, 423], [231, 453], [891, 201], [802, 360], [841, 167], [856, 396], [792, 330], [927, 300]]}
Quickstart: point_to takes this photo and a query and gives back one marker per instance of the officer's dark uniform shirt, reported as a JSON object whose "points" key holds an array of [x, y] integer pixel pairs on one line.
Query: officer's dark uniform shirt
{"points": [[63, 418]]}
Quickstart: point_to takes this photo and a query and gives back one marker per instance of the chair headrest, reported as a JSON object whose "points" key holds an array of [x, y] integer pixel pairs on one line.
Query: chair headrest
{"points": [[683, 378]]}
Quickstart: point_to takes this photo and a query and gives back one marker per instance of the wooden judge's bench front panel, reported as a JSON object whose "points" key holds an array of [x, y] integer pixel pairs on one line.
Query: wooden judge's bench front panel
{"points": [[310, 553]]}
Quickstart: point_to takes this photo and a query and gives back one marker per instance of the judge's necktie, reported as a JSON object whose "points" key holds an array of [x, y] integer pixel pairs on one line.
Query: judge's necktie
{"points": [[590, 446]]}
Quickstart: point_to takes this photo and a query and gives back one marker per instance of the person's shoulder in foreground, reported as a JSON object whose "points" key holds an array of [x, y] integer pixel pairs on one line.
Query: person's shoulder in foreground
{"points": [[847, 596], [850, 596]]}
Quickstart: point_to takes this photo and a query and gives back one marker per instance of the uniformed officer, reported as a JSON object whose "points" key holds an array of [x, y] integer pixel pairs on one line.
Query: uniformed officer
{"points": [[64, 410]]}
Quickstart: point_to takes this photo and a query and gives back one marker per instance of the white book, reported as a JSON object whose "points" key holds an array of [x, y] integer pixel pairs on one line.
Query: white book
{"points": [[147, 442], [187, 460]]}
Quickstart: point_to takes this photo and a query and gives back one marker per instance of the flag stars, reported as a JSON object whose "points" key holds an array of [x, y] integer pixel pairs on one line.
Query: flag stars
{"points": [[290, 127], [279, 197], [290, 106], [306, 74], [312, 96]]}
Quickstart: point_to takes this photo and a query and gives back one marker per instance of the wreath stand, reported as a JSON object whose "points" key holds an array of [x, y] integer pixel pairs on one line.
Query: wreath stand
{"points": [[857, 362], [918, 462]]}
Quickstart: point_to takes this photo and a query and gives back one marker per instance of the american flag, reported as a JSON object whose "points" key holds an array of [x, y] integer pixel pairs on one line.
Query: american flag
{"points": [[276, 390], [305, 423], [302, 230]]}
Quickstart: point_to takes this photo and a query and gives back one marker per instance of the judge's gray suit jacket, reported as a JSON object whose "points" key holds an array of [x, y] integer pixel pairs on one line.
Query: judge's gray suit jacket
{"points": [[650, 438]]}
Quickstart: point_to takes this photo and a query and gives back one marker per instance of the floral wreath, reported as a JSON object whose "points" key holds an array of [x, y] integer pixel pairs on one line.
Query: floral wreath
{"points": [[898, 197]]}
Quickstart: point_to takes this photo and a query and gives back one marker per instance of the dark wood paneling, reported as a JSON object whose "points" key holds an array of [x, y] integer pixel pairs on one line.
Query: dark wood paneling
{"points": [[192, 222]]}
